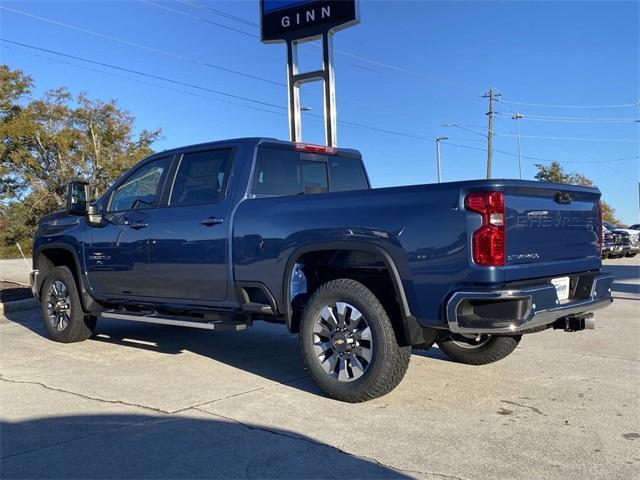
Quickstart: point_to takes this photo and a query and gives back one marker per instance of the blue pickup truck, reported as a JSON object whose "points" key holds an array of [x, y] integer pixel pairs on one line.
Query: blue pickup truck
{"points": [[218, 235]]}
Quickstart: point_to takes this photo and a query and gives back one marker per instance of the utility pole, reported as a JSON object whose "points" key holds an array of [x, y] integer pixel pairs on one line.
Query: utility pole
{"points": [[438, 139], [491, 95], [517, 118]]}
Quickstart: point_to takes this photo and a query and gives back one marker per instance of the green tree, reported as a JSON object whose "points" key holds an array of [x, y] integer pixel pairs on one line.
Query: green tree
{"points": [[554, 172], [50, 140]]}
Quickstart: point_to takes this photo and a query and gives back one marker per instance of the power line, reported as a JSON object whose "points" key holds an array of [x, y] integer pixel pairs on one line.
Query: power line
{"points": [[200, 19], [353, 124], [581, 139], [195, 4], [604, 161], [162, 52], [462, 127], [143, 47], [547, 105], [551, 120], [137, 80], [540, 159], [199, 87], [149, 75], [575, 119], [341, 52]]}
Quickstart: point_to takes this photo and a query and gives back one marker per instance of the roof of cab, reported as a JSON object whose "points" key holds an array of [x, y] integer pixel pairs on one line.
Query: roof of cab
{"points": [[251, 141]]}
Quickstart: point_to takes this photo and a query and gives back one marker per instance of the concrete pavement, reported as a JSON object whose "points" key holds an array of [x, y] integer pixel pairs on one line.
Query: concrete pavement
{"points": [[145, 401], [15, 270]]}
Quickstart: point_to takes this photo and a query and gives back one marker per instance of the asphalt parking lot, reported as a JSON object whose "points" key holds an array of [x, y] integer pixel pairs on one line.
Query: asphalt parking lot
{"points": [[146, 401]]}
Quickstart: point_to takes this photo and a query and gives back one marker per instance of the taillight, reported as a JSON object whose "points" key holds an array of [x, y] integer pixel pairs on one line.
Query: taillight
{"points": [[307, 147], [488, 242]]}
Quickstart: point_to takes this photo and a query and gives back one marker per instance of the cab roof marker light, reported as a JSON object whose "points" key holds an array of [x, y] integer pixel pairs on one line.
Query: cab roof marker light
{"points": [[308, 147]]}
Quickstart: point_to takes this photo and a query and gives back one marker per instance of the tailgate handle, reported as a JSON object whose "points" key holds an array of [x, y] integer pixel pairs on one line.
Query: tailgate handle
{"points": [[564, 197]]}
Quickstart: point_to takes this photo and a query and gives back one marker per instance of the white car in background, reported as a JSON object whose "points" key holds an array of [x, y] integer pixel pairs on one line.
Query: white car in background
{"points": [[633, 234]]}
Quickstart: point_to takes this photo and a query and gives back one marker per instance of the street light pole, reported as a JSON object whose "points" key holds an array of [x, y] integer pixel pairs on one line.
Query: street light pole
{"points": [[438, 139], [517, 118]]}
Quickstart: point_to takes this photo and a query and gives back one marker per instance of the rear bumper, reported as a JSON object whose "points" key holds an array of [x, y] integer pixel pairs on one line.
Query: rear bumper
{"points": [[521, 309]]}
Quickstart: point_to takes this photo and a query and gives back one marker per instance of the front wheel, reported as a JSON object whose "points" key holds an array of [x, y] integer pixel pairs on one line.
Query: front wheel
{"points": [[477, 349], [348, 343], [62, 311]]}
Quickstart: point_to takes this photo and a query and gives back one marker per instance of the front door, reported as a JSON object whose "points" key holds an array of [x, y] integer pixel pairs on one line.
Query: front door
{"points": [[117, 255], [189, 237]]}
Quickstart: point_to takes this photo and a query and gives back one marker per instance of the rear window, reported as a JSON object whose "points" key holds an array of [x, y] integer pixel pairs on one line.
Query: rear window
{"points": [[286, 172]]}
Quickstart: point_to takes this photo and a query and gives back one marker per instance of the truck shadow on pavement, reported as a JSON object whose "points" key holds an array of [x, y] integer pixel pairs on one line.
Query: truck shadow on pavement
{"points": [[267, 350], [170, 446]]}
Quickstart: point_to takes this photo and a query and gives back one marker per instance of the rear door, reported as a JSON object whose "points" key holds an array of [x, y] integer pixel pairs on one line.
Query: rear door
{"points": [[552, 227], [188, 258]]}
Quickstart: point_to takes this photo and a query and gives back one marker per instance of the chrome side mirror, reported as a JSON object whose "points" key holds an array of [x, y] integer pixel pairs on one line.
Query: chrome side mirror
{"points": [[94, 216]]}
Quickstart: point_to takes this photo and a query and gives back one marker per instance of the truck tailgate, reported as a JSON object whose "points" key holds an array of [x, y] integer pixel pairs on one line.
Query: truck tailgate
{"points": [[555, 227]]}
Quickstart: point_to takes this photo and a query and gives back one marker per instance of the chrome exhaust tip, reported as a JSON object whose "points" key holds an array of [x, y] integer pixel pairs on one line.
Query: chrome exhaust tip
{"points": [[589, 322]]}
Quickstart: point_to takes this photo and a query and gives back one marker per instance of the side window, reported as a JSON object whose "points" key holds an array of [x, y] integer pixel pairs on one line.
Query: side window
{"points": [[141, 189], [201, 178], [283, 172]]}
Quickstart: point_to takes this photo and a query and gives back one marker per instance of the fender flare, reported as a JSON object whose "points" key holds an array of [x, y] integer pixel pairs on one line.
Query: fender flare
{"points": [[413, 332], [86, 299]]}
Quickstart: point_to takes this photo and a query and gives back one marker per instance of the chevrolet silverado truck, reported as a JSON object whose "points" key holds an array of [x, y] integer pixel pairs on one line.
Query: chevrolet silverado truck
{"points": [[218, 235]]}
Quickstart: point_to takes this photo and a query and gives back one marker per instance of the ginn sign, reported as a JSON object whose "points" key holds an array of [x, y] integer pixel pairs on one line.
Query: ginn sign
{"points": [[309, 16], [288, 20]]}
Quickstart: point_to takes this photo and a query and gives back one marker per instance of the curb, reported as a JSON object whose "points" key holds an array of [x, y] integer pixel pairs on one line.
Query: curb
{"points": [[16, 305]]}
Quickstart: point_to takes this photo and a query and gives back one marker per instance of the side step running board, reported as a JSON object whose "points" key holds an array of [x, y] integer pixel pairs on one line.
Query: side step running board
{"points": [[219, 325]]}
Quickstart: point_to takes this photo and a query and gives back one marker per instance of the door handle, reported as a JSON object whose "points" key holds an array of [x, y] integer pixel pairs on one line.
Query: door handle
{"points": [[212, 221], [136, 225]]}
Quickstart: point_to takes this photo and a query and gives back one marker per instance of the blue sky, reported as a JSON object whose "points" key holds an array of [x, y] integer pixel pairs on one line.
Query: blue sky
{"points": [[409, 67]]}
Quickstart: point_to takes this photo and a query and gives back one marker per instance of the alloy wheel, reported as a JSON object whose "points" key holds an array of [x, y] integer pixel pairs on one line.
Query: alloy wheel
{"points": [[470, 341], [342, 342], [58, 305]]}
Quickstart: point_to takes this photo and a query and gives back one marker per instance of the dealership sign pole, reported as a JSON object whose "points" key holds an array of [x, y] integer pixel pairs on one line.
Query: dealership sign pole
{"points": [[299, 21]]}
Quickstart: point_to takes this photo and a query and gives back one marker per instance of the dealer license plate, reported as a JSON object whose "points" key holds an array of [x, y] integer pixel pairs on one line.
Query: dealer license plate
{"points": [[562, 287]]}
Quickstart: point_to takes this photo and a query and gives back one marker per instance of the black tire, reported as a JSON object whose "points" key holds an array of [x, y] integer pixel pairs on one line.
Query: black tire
{"points": [[630, 255], [65, 325], [388, 361], [489, 350]]}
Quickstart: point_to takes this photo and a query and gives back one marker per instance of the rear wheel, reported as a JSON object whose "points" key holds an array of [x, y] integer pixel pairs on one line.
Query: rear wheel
{"points": [[348, 343], [62, 311], [477, 349]]}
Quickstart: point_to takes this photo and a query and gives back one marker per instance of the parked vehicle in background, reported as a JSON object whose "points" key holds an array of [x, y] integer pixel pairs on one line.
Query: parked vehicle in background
{"points": [[218, 235], [608, 245], [627, 238], [635, 226]]}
